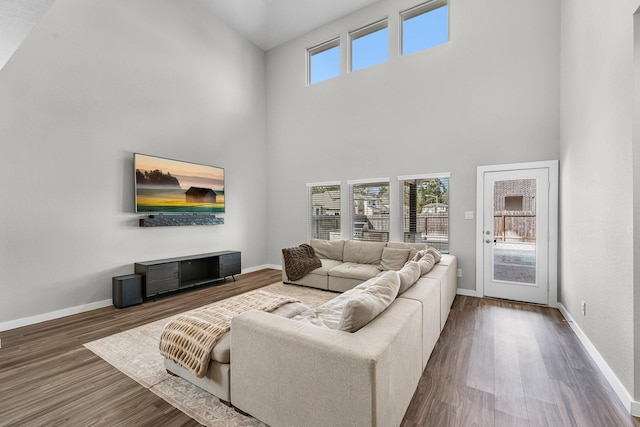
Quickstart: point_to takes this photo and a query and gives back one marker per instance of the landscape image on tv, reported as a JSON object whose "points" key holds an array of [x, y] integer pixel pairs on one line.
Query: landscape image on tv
{"points": [[172, 186]]}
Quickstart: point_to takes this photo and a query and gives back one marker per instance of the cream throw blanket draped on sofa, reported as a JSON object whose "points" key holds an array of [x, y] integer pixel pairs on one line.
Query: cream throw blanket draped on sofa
{"points": [[189, 339]]}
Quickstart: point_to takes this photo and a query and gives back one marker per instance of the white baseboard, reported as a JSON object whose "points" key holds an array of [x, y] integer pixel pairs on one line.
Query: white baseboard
{"points": [[468, 293], [261, 267], [632, 406], [32, 320]]}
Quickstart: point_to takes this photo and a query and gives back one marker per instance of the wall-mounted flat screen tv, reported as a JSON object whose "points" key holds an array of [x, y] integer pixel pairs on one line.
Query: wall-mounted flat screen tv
{"points": [[173, 186]]}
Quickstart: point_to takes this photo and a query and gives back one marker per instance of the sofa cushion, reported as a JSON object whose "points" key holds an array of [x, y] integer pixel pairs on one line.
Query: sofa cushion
{"points": [[352, 270], [327, 264], [406, 245], [363, 252], [327, 315], [394, 258], [221, 352], [368, 302], [426, 263], [329, 249], [436, 254], [419, 254], [409, 274], [379, 291]]}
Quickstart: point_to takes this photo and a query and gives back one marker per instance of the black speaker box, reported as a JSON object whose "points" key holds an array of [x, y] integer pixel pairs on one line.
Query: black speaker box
{"points": [[127, 290]]}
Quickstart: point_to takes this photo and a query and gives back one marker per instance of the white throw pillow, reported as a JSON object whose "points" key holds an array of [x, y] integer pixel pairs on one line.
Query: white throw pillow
{"points": [[394, 259], [369, 302]]}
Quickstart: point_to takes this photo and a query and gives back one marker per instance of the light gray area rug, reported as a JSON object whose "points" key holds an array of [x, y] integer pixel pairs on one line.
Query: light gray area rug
{"points": [[135, 353]]}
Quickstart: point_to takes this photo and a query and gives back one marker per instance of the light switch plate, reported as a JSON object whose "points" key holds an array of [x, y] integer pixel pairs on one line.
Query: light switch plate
{"points": [[468, 215]]}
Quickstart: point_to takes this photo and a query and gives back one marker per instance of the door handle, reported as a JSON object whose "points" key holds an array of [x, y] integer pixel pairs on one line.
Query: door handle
{"points": [[488, 241]]}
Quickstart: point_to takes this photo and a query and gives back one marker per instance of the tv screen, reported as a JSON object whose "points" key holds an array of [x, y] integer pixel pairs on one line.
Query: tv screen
{"points": [[173, 186]]}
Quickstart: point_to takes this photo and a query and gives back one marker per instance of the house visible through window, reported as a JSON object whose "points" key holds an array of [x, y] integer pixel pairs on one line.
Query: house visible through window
{"points": [[324, 214], [426, 210], [370, 210], [323, 61], [425, 26], [369, 45]]}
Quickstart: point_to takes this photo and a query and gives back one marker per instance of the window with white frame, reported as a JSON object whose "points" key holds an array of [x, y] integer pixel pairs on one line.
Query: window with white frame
{"points": [[369, 45], [323, 61], [324, 211], [425, 209], [424, 26], [369, 201]]}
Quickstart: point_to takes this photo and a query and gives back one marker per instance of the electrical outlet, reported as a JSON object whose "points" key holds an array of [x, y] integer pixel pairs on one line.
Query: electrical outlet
{"points": [[459, 272], [583, 308]]}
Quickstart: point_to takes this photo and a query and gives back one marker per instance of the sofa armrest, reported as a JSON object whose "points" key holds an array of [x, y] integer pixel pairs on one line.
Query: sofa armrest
{"points": [[286, 372]]}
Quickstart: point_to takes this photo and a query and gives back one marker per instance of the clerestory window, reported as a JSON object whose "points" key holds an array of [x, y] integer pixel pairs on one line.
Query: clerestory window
{"points": [[369, 45], [323, 61], [424, 26]]}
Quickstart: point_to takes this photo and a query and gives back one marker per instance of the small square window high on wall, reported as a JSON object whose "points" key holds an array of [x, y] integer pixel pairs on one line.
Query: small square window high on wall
{"points": [[369, 45], [424, 26], [323, 61]]}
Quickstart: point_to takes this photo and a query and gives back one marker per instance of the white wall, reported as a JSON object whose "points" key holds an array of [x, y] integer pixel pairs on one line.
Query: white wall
{"points": [[93, 83], [489, 96], [596, 220]]}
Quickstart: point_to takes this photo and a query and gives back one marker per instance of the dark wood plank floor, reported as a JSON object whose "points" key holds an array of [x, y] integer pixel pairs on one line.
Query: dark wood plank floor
{"points": [[496, 363], [501, 363]]}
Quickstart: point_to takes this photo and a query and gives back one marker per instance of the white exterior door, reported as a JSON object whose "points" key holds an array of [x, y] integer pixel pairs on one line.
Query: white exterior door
{"points": [[515, 237]]}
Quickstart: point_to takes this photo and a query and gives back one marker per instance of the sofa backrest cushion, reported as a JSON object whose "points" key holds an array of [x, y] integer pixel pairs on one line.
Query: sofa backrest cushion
{"points": [[426, 263], [406, 245], [363, 252], [435, 253], [366, 304], [328, 249], [394, 258], [409, 274]]}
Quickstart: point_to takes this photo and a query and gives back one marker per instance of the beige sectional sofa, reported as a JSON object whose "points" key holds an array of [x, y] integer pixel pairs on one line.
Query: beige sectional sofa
{"points": [[347, 263], [310, 370], [217, 379]]}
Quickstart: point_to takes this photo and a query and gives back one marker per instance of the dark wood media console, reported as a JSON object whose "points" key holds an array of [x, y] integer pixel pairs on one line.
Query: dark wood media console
{"points": [[173, 274]]}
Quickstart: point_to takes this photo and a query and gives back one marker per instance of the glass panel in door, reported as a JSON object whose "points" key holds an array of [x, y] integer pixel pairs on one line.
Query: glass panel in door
{"points": [[514, 228], [515, 235]]}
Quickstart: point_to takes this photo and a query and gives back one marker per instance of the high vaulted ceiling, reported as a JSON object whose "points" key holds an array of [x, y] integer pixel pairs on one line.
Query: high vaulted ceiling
{"points": [[269, 23]]}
